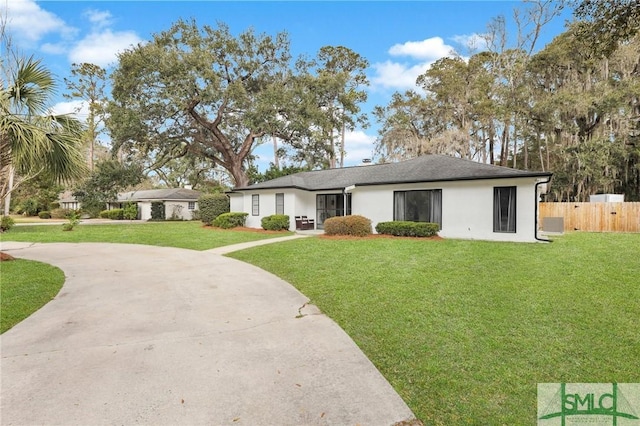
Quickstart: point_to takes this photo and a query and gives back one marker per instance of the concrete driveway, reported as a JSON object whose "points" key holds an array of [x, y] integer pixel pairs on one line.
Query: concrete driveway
{"points": [[154, 335]]}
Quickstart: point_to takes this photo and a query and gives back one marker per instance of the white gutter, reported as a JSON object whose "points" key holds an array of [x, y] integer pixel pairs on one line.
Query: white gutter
{"points": [[345, 191]]}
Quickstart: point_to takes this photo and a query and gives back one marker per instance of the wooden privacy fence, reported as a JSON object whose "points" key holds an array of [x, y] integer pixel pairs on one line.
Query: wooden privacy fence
{"points": [[595, 217]]}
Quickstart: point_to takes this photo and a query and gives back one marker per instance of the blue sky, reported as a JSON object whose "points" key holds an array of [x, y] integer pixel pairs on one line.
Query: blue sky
{"points": [[399, 39]]}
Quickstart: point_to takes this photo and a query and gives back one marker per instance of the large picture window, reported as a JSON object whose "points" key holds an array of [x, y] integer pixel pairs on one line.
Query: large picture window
{"points": [[279, 203], [504, 209], [255, 205], [418, 206]]}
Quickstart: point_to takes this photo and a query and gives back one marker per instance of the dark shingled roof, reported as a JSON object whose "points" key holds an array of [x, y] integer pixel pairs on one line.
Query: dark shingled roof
{"points": [[427, 168], [160, 194]]}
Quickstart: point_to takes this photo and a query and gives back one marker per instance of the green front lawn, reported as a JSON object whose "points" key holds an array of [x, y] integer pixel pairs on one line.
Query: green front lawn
{"points": [[189, 235], [25, 287], [464, 330]]}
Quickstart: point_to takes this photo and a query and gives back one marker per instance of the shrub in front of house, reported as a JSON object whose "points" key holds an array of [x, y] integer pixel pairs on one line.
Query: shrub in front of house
{"points": [[44, 214], [6, 222], [130, 211], [60, 213], [28, 207], [358, 226], [408, 229], [211, 206], [275, 222], [113, 214], [230, 220]]}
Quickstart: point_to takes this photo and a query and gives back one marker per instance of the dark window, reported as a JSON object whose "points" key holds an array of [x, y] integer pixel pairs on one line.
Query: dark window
{"points": [[504, 209], [255, 205], [279, 203], [330, 205], [192, 205], [418, 206]]}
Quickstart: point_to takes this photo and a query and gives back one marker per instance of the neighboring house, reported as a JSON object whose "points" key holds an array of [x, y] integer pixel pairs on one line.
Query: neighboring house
{"points": [[467, 199], [68, 201], [179, 203]]}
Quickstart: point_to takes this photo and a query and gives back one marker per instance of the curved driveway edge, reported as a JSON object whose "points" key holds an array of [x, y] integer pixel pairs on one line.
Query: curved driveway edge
{"points": [[156, 335]]}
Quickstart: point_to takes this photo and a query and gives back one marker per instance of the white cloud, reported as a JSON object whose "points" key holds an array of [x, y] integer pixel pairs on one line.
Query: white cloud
{"points": [[77, 107], [398, 76], [358, 146], [101, 48], [99, 18], [402, 75], [29, 23], [430, 49], [473, 42], [54, 48]]}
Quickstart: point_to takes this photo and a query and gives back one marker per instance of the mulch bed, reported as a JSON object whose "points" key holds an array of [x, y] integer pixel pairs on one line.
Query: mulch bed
{"points": [[5, 257], [376, 237], [329, 237], [243, 229]]}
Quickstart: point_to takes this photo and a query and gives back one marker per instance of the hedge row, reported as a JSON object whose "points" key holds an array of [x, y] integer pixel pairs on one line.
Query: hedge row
{"points": [[59, 213], [355, 225], [408, 229], [276, 222], [230, 220], [114, 214], [211, 206]]}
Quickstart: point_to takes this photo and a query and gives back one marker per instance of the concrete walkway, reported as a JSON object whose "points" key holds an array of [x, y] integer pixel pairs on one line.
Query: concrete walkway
{"points": [[242, 246], [166, 336]]}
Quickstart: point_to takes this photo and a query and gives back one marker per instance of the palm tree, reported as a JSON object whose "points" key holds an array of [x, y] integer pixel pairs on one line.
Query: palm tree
{"points": [[32, 141]]}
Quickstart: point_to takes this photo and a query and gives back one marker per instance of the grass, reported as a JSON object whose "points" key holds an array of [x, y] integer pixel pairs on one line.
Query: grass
{"points": [[464, 330], [188, 235], [26, 287]]}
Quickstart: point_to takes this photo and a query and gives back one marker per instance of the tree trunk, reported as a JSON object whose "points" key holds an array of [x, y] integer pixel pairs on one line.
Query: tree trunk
{"points": [[276, 162], [504, 149], [239, 175], [492, 135], [525, 153], [332, 152], [515, 147], [342, 146], [7, 200]]}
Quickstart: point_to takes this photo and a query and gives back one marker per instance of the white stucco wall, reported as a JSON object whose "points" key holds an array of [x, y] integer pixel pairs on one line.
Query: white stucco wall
{"points": [[267, 207], [296, 203], [467, 207], [236, 202], [181, 208], [144, 210]]}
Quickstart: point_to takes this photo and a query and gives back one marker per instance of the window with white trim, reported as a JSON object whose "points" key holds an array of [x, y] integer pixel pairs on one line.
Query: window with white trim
{"points": [[255, 205], [192, 205], [279, 203]]}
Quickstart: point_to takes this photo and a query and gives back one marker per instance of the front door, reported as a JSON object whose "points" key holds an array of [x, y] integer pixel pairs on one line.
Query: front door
{"points": [[330, 205]]}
